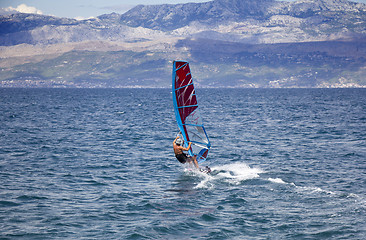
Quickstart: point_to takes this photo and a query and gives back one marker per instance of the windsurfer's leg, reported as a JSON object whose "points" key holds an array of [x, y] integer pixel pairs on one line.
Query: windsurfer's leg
{"points": [[194, 158]]}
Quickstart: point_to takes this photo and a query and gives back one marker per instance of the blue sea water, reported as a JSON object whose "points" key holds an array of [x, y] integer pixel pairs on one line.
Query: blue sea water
{"points": [[98, 164]]}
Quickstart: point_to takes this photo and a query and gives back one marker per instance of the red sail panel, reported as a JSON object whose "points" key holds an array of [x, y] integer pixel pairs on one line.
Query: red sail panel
{"points": [[183, 74], [185, 93]]}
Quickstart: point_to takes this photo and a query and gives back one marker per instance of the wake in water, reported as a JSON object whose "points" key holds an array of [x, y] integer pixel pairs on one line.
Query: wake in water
{"points": [[237, 173], [234, 174], [311, 190], [298, 188]]}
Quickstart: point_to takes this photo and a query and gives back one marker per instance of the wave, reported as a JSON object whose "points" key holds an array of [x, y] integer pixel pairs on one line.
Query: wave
{"points": [[277, 180], [300, 189], [309, 190]]}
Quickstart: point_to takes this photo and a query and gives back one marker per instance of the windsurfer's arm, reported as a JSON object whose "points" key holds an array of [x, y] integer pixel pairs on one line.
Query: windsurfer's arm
{"points": [[189, 146]]}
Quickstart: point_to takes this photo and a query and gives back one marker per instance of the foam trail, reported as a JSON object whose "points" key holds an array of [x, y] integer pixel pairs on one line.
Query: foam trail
{"points": [[277, 180], [300, 189], [311, 190], [233, 173], [237, 172], [206, 182]]}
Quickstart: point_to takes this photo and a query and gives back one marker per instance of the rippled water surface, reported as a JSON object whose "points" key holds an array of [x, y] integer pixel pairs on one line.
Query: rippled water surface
{"points": [[98, 164]]}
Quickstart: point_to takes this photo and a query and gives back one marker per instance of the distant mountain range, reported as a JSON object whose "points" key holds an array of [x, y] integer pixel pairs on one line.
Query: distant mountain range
{"points": [[303, 14], [232, 43]]}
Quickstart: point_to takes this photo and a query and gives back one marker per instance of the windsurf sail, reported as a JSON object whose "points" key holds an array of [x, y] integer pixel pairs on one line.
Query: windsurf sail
{"points": [[187, 111]]}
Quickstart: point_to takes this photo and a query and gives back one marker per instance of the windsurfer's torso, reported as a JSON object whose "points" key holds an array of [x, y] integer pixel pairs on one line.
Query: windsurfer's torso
{"points": [[177, 149]]}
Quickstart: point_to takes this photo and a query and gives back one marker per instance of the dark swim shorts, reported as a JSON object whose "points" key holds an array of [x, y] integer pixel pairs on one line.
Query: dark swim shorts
{"points": [[182, 158]]}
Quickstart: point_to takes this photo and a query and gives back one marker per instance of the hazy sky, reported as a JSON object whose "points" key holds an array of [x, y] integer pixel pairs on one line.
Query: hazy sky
{"points": [[83, 8]]}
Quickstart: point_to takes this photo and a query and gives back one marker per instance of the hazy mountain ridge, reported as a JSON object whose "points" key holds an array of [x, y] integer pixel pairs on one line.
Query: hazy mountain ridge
{"points": [[214, 64], [264, 21], [19, 22], [39, 29], [170, 17], [248, 43]]}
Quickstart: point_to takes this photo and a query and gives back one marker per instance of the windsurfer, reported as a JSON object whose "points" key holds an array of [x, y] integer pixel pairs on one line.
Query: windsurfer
{"points": [[180, 155]]}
